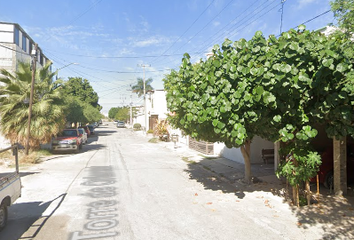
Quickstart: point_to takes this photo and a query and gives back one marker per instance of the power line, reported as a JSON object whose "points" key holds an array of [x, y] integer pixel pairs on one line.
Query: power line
{"points": [[316, 17], [187, 28], [117, 57], [205, 25], [235, 24], [79, 16], [14, 50]]}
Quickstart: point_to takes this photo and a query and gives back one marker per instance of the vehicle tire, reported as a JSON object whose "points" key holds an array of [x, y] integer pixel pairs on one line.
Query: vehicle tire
{"points": [[329, 179], [3, 216]]}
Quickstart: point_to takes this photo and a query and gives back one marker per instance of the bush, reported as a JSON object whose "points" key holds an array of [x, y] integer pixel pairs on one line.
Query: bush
{"points": [[137, 126]]}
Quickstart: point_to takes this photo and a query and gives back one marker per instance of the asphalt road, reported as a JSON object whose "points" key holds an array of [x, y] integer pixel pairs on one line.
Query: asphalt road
{"points": [[123, 187]]}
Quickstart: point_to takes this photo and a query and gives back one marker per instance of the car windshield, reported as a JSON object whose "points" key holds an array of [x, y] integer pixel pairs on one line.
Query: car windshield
{"points": [[68, 133]]}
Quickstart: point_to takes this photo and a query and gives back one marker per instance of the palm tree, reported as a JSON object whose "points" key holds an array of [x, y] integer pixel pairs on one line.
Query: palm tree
{"points": [[139, 87], [47, 109]]}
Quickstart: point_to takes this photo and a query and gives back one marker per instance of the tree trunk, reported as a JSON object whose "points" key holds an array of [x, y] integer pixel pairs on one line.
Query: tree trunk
{"points": [[308, 192], [296, 200], [339, 166], [246, 153]]}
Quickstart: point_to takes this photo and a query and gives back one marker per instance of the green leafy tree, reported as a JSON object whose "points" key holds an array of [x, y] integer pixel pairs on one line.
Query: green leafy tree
{"points": [[74, 110], [112, 112], [123, 114], [91, 113], [344, 13], [82, 89], [78, 111], [276, 88], [47, 109], [139, 87]]}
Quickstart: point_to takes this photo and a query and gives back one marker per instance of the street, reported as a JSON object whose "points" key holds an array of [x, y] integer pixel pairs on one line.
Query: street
{"points": [[120, 186]]}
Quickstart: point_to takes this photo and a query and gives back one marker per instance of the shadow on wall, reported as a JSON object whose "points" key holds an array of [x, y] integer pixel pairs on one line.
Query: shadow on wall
{"points": [[257, 145]]}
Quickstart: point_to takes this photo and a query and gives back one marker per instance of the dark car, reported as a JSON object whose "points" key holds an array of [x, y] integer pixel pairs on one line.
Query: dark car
{"points": [[326, 169], [67, 140], [92, 129]]}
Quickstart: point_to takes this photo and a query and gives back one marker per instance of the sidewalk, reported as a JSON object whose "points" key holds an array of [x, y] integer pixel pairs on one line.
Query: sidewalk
{"points": [[227, 170]]}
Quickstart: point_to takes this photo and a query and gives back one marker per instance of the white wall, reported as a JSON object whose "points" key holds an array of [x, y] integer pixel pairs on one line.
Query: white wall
{"points": [[157, 104], [256, 151]]}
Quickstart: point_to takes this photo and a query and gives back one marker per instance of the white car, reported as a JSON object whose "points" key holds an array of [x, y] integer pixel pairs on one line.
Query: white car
{"points": [[120, 124], [84, 135]]}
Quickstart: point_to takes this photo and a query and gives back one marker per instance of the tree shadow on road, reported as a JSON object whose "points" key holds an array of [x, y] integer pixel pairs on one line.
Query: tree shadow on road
{"points": [[335, 215], [27, 219], [221, 174], [104, 133], [211, 180]]}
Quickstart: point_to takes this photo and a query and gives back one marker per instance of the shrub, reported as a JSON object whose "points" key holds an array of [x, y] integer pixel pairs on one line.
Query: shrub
{"points": [[137, 126]]}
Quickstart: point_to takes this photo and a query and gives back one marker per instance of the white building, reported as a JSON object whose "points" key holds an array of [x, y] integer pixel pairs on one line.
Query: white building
{"points": [[16, 46]]}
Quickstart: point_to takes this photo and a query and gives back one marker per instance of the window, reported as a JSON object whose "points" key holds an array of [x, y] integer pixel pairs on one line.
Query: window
{"points": [[24, 43], [17, 36], [30, 48]]}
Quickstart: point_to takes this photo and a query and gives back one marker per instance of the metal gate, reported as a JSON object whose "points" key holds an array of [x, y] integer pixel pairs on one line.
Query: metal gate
{"points": [[206, 148]]}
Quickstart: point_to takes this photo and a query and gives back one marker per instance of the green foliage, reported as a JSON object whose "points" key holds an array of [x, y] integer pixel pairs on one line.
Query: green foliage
{"points": [[82, 89], [123, 114], [137, 126], [276, 88], [79, 111], [112, 112], [47, 109], [301, 162], [139, 87], [344, 12], [299, 166]]}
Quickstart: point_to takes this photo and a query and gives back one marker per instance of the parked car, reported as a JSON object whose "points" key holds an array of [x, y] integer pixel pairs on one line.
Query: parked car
{"points": [[67, 140], [326, 169], [92, 129], [120, 124], [10, 184], [83, 135]]}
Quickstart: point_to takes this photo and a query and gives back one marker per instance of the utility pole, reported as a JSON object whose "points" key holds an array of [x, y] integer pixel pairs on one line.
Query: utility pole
{"points": [[34, 63], [131, 111], [145, 110]]}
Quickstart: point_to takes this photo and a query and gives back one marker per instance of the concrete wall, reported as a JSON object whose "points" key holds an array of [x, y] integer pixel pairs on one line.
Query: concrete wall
{"points": [[256, 151], [158, 104]]}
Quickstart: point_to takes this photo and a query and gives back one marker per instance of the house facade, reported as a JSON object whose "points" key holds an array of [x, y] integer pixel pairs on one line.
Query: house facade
{"points": [[157, 111]]}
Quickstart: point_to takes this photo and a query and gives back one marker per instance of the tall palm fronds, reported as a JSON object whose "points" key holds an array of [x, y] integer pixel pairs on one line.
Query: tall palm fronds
{"points": [[139, 87], [47, 109]]}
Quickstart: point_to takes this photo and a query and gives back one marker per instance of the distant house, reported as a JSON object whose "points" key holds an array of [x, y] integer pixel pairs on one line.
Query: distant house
{"points": [[16, 46]]}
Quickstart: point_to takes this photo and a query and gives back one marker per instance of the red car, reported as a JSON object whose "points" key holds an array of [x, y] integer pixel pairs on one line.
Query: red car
{"points": [[68, 140], [326, 169]]}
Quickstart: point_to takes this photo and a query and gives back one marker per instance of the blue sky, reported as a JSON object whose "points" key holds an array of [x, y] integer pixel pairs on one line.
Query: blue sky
{"points": [[110, 39]]}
